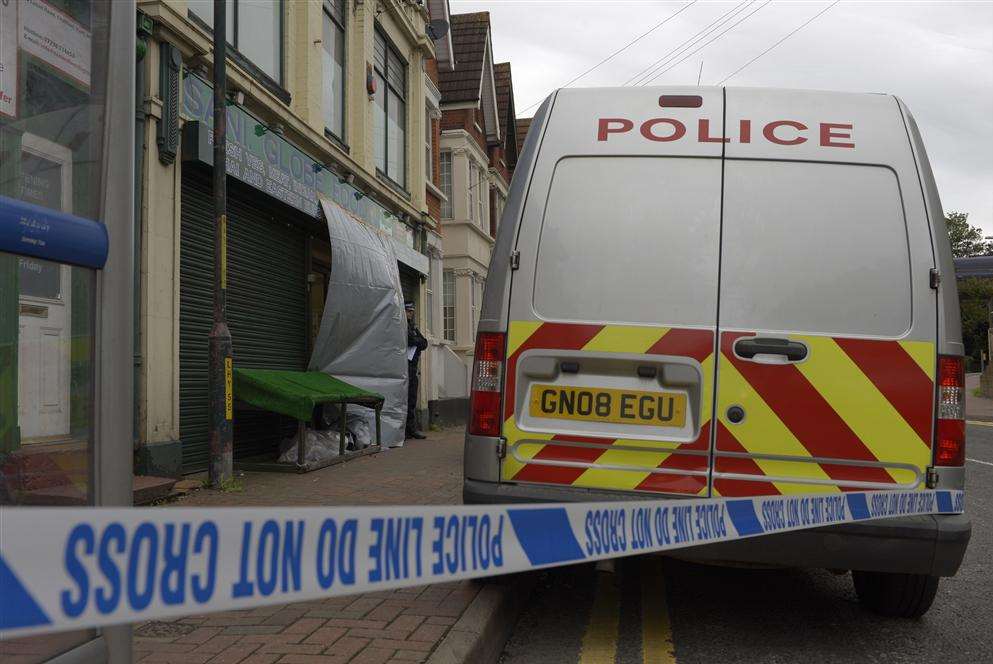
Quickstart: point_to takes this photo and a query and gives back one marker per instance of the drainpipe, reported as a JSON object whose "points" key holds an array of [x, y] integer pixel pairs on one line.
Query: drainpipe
{"points": [[144, 31]]}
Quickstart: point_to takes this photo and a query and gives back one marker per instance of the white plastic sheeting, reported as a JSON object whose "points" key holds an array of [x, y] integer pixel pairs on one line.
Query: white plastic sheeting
{"points": [[363, 336]]}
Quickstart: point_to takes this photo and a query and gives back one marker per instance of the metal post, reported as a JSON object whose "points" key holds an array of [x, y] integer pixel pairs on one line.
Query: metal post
{"points": [[379, 426], [301, 444], [221, 448]]}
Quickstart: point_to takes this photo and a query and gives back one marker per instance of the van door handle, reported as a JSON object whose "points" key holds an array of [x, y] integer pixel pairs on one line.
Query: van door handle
{"points": [[749, 347]]}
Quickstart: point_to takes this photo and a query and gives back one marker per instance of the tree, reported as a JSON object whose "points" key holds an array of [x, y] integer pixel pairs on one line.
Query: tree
{"points": [[967, 240], [974, 296]]}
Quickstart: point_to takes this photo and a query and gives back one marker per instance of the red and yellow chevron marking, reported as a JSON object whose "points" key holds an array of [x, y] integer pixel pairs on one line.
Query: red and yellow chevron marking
{"points": [[855, 413], [866, 402], [607, 463]]}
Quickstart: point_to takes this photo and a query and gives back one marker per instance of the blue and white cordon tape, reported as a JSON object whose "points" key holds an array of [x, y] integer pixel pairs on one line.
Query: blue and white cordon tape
{"points": [[75, 568]]}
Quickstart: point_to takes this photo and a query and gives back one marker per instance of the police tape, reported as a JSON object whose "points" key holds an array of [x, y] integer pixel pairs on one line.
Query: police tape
{"points": [[75, 568]]}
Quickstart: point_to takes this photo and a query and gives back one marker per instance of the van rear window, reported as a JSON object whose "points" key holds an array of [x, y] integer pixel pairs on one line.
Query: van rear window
{"points": [[630, 240], [814, 247]]}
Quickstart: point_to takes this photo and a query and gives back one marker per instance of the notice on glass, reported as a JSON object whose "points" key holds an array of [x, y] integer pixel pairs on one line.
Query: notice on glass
{"points": [[8, 58], [56, 38]]}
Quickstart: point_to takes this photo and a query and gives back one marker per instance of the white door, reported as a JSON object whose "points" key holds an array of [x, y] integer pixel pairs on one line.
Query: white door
{"points": [[43, 350], [44, 292]]}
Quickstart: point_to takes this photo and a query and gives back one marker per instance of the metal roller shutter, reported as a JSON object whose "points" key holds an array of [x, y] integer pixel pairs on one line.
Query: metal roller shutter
{"points": [[267, 308]]}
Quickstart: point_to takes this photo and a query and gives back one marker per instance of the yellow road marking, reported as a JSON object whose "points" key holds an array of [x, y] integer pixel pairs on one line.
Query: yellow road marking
{"points": [[656, 632], [600, 640], [979, 423]]}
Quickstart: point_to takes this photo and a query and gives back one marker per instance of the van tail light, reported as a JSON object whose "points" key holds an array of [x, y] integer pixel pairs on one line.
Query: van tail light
{"points": [[950, 438], [487, 380]]}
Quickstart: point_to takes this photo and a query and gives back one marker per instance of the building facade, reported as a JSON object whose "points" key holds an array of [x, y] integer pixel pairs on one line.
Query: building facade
{"points": [[442, 390], [328, 99], [478, 155]]}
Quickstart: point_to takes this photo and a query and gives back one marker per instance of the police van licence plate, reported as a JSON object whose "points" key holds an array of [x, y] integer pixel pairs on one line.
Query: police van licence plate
{"points": [[666, 409]]}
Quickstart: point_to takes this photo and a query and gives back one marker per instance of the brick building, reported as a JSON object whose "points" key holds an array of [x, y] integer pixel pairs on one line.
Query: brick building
{"points": [[478, 155]]}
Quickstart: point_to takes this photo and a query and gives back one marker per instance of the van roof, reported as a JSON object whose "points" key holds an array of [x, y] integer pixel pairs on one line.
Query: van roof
{"points": [[759, 123]]}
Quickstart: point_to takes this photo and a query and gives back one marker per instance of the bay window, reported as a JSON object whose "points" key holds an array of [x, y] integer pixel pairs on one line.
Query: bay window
{"points": [[428, 145], [472, 191], [481, 197], [445, 178], [448, 304]]}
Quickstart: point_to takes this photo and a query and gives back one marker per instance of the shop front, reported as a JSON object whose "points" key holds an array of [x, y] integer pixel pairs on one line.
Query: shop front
{"points": [[66, 76], [279, 263]]}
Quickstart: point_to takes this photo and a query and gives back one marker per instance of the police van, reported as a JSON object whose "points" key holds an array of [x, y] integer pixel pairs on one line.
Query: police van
{"points": [[709, 292]]}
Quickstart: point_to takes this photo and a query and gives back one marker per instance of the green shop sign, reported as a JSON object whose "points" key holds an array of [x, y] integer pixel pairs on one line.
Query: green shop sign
{"points": [[270, 163]]}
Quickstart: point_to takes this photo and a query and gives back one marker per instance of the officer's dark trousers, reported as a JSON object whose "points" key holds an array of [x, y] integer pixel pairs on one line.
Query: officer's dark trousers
{"points": [[412, 381]]}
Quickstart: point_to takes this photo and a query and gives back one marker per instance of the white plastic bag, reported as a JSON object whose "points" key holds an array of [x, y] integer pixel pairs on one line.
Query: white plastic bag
{"points": [[359, 430], [357, 425], [321, 445]]}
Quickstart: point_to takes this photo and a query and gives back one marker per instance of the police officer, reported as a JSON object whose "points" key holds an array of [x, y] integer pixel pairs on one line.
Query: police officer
{"points": [[415, 344]]}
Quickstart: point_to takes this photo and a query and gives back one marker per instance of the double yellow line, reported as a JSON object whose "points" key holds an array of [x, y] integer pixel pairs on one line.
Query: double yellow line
{"points": [[600, 640]]}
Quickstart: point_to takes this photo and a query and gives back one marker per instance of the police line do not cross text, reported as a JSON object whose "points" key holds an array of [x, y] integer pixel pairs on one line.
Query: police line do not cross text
{"points": [[75, 568]]}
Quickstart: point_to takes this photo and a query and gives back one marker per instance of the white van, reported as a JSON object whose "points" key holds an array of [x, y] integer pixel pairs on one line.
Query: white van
{"points": [[728, 292]]}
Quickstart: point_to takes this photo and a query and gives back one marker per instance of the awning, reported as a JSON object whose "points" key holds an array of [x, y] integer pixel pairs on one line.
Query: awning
{"points": [[296, 393], [411, 257]]}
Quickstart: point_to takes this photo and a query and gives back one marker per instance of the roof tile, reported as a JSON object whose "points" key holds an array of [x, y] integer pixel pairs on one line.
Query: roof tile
{"points": [[469, 33]]}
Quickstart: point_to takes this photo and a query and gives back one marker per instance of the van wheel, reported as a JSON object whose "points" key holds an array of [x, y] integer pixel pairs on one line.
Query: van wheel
{"points": [[896, 595]]}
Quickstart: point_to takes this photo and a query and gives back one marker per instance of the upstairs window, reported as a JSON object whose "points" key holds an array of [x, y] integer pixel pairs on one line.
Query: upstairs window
{"points": [[391, 111], [448, 304], [445, 166], [254, 28], [333, 63], [496, 210], [473, 181], [481, 196], [428, 145]]}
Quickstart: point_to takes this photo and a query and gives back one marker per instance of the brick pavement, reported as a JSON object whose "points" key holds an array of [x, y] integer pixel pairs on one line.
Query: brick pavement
{"points": [[399, 626]]}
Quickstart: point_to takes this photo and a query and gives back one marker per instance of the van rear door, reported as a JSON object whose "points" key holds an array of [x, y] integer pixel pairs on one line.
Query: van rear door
{"points": [[609, 373], [827, 318]]}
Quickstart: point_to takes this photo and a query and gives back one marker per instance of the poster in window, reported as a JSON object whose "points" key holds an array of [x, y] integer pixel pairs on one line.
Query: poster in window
{"points": [[8, 58], [56, 39], [41, 184]]}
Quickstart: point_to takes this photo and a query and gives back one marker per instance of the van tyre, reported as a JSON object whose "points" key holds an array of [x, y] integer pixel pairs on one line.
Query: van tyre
{"points": [[895, 595]]}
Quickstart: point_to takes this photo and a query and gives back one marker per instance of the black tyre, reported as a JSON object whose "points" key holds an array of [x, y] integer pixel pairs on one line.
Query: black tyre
{"points": [[896, 595]]}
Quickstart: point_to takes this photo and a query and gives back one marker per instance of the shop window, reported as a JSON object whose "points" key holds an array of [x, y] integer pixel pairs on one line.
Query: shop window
{"points": [[448, 308], [391, 111], [445, 165], [333, 63], [253, 27]]}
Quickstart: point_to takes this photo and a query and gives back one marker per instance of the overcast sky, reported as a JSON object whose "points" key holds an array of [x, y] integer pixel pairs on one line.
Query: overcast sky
{"points": [[937, 56]]}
